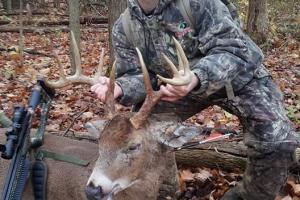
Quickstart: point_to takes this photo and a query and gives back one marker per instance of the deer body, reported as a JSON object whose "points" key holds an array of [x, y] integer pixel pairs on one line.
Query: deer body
{"points": [[65, 180]]}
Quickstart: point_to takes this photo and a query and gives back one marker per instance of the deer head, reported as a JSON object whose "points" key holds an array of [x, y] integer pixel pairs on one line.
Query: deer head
{"points": [[133, 147]]}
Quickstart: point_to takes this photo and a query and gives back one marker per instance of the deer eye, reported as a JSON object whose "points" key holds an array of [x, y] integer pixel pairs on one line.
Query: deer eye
{"points": [[134, 147]]}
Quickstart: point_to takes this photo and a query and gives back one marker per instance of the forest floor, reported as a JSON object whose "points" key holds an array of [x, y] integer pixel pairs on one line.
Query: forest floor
{"points": [[73, 106]]}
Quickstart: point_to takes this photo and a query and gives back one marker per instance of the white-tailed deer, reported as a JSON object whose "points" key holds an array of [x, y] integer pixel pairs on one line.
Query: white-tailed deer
{"points": [[134, 154]]}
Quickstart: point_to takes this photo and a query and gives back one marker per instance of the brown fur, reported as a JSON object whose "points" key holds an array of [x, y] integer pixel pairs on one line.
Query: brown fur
{"points": [[65, 181], [117, 131], [149, 164]]}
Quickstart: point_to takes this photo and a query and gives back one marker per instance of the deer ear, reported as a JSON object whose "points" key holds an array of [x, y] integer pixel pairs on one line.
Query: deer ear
{"points": [[179, 135], [95, 128]]}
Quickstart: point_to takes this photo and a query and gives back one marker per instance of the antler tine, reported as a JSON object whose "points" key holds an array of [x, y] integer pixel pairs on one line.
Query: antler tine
{"points": [[184, 75], [78, 77], [110, 100], [100, 71], [151, 98], [76, 54], [183, 61], [171, 65]]}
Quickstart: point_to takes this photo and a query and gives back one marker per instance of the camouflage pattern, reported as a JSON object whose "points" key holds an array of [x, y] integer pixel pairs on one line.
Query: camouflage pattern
{"points": [[267, 133], [219, 52]]}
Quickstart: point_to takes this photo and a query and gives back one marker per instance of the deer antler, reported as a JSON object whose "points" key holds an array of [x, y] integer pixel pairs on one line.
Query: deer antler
{"points": [[77, 77], [181, 77], [110, 99]]}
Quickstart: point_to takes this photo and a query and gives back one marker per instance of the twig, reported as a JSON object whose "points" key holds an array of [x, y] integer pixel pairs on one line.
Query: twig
{"points": [[75, 118]]}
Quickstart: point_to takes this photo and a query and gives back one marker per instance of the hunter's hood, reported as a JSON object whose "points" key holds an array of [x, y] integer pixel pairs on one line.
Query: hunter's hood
{"points": [[137, 11]]}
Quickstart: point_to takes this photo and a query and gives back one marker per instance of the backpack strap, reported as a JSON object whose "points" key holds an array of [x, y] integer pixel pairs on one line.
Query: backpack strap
{"points": [[184, 8], [127, 23], [186, 11]]}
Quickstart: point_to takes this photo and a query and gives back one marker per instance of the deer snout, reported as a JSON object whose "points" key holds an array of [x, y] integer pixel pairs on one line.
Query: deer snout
{"points": [[93, 193]]}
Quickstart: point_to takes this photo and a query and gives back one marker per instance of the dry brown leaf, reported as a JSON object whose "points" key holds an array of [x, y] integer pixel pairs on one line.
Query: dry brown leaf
{"points": [[53, 127], [203, 175], [87, 115], [295, 187], [211, 197], [45, 72], [186, 175], [287, 198]]}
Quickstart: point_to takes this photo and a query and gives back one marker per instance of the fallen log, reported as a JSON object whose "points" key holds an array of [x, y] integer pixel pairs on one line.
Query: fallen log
{"points": [[34, 12], [34, 29], [41, 29], [4, 22], [227, 155], [83, 20]]}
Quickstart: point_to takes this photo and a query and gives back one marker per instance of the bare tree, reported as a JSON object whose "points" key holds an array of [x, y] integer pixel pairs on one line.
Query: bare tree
{"points": [[56, 3], [74, 14], [9, 6], [257, 23], [116, 7]]}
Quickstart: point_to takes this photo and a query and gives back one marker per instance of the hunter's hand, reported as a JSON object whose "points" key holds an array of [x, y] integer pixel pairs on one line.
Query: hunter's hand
{"points": [[101, 88], [173, 93]]}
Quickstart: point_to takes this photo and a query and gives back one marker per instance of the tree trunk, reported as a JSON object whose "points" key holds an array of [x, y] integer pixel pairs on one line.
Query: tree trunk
{"points": [[9, 6], [74, 13], [116, 7], [257, 23], [15, 4], [57, 4]]}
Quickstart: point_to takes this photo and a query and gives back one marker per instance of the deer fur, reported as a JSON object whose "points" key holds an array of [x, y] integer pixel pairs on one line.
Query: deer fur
{"points": [[140, 160], [146, 168], [65, 181]]}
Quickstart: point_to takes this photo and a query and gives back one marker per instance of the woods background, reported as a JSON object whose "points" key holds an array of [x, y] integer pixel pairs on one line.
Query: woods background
{"points": [[31, 30]]}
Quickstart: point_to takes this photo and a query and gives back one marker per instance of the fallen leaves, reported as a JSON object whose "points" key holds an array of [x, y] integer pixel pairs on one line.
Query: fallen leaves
{"points": [[205, 184]]}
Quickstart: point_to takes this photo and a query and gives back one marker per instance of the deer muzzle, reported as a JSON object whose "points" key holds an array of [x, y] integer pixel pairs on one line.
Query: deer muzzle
{"points": [[94, 192]]}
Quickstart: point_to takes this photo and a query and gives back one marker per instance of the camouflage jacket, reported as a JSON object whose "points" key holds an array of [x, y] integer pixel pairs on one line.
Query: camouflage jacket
{"points": [[218, 51]]}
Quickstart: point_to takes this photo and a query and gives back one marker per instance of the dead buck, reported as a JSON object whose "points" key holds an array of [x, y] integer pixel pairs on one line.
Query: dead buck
{"points": [[134, 148], [133, 155]]}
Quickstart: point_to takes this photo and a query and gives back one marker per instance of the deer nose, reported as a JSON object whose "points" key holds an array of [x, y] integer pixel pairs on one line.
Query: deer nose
{"points": [[93, 193]]}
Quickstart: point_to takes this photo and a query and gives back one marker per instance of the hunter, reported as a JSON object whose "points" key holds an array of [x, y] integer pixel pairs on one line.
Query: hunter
{"points": [[227, 71]]}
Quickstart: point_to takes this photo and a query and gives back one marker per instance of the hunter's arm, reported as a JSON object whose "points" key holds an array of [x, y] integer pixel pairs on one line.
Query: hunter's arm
{"points": [[130, 78], [229, 54]]}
